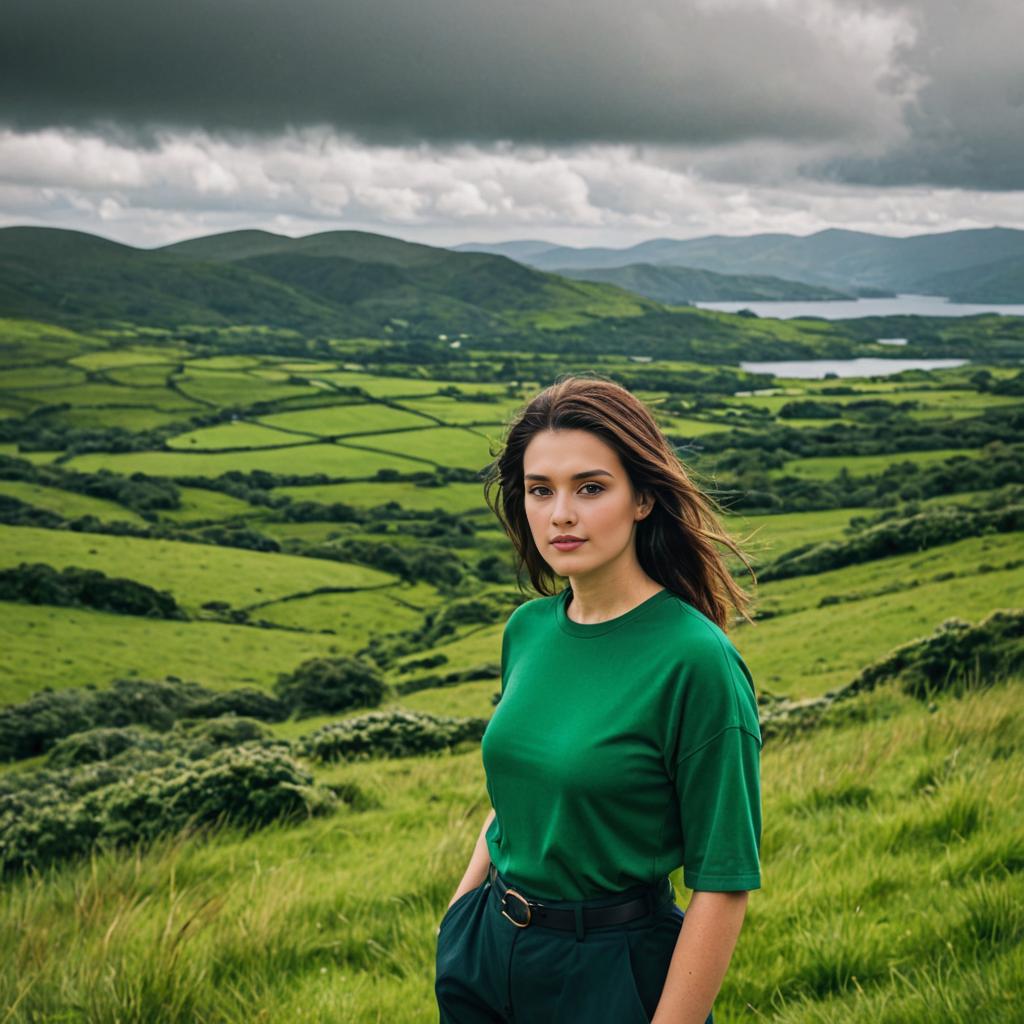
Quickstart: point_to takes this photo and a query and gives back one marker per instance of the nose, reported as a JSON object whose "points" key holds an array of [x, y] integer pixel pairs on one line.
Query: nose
{"points": [[562, 510]]}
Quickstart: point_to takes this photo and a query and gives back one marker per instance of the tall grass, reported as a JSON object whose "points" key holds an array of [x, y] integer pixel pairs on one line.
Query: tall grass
{"points": [[893, 892]]}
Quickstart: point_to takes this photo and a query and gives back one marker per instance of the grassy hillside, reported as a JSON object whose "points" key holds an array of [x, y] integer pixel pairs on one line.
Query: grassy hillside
{"points": [[313, 511], [351, 282], [892, 891], [381, 301]]}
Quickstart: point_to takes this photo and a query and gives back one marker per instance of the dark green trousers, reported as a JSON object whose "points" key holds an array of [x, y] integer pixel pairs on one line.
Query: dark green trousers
{"points": [[489, 971]]}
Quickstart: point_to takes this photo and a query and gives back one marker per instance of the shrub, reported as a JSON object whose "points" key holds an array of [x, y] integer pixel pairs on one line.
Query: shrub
{"points": [[49, 816], [39, 583], [245, 700], [145, 702], [99, 745], [931, 528], [245, 786], [389, 734], [807, 409], [189, 738], [955, 651], [432, 661], [198, 738], [324, 685], [34, 726], [30, 728], [427, 682]]}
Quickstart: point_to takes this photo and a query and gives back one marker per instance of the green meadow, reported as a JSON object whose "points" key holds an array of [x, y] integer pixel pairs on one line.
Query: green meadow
{"points": [[310, 456], [73, 647], [67, 503], [330, 507], [893, 889], [860, 465], [194, 573]]}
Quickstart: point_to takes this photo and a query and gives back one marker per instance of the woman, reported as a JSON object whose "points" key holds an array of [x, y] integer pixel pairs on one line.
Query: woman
{"points": [[625, 743]]}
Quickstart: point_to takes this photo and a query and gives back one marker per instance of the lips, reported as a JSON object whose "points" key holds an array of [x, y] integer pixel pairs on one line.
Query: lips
{"points": [[569, 544]]}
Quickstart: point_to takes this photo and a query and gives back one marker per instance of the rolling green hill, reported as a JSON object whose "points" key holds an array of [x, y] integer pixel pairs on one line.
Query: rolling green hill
{"points": [[345, 282], [387, 301]]}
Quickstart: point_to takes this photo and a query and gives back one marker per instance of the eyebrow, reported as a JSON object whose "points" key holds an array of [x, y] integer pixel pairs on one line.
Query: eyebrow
{"points": [[575, 476]]}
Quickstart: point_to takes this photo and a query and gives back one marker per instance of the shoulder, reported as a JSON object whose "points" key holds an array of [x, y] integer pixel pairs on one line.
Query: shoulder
{"points": [[524, 617], [700, 639], [529, 612], [714, 680]]}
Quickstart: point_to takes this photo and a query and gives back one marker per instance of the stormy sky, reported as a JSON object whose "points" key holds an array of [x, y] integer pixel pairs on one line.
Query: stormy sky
{"points": [[456, 120]]}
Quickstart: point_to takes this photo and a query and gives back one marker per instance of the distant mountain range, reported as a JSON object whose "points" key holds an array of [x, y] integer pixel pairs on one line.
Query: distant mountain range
{"points": [[346, 283], [680, 285], [358, 284], [975, 265]]}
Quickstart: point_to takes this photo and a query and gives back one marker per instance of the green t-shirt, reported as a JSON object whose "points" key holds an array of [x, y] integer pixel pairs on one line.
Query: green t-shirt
{"points": [[620, 750]]}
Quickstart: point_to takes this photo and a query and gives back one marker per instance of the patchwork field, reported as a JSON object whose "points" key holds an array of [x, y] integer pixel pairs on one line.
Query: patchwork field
{"points": [[307, 457], [314, 515]]}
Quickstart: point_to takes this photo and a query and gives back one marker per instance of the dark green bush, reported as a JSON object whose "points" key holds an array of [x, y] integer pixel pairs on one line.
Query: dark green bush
{"points": [[198, 738], [245, 700], [49, 816], [432, 661], [191, 738], [32, 727], [931, 528], [15, 512], [324, 685], [99, 745], [389, 734], [136, 491], [247, 786], [957, 651], [809, 409], [432, 680], [39, 583]]}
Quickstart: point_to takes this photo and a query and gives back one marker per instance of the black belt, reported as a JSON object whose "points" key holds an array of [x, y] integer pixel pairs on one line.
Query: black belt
{"points": [[523, 912]]}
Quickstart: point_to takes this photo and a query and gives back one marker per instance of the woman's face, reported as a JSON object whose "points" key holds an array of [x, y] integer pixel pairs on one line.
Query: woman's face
{"points": [[576, 484]]}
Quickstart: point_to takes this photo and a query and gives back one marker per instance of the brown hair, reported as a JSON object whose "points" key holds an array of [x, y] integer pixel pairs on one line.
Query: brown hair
{"points": [[674, 542]]}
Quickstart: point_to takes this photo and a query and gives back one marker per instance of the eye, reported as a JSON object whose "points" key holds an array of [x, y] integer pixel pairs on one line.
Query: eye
{"points": [[537, 487]]}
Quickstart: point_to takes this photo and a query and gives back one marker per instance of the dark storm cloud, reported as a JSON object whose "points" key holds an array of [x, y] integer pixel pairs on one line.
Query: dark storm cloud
{"points": [[553, 72], [874, 92], [966, 122]]}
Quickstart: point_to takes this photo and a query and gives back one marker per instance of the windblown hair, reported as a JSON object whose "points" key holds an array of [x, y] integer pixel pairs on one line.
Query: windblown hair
{"points": [[675, 542]]}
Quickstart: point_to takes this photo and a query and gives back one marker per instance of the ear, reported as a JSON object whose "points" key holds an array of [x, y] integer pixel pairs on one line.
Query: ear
{"points": [[645, 507]]}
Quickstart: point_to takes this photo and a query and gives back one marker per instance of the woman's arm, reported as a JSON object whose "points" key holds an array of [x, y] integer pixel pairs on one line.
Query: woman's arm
{"points": [[701, 957], [478, 863]]}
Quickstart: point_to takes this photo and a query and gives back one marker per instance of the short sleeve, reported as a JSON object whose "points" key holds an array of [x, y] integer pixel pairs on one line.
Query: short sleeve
{"points": [[719, 791]]}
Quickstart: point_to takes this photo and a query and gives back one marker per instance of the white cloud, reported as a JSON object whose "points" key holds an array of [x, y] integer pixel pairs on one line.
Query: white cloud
{"points": [[315, 179]]}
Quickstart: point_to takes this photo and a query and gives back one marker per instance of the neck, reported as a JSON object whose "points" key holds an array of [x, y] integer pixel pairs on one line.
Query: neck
{"points": [[597, 600]]}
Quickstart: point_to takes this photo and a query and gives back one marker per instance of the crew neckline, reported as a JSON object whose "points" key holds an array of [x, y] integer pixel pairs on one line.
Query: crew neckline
{"points": [[590, 629]]}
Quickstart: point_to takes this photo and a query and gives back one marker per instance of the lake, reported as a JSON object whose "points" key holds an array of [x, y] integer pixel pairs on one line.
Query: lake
{"points": [[864, 366], [843, 309]]}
